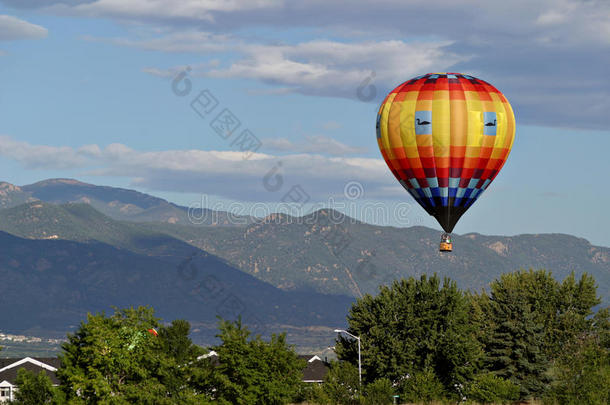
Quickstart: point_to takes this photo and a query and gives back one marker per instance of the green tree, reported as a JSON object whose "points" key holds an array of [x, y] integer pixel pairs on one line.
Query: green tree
{"points": [[422, 386], [36, 389], [575, 300], [600, 326], [488, 388], [527, 321], [180, 356], [379, 392], [341, 384], [563, 309], [515, 346], [252, 371], [583, 371], [115, 360], [411, 326]]}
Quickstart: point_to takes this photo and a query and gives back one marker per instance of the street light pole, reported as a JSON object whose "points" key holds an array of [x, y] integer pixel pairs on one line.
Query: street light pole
{"points": [[359, 355], [359, 365]]}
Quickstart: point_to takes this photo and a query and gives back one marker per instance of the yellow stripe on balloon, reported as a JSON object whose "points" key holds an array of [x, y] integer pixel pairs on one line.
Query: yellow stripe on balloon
{"points": [[441, 128]]}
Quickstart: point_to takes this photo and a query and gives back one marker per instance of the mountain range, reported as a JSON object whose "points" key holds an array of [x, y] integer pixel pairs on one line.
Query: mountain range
{"points": [[118, 203], [69, 247]]}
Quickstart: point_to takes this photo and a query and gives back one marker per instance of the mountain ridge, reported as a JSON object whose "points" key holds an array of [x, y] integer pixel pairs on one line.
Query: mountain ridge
{"points": [[54, 283], [115, 202], [325, 251], [283, 264]]}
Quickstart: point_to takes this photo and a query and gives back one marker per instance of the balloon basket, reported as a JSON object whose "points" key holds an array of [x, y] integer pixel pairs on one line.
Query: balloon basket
{"points": [[446, 245]]}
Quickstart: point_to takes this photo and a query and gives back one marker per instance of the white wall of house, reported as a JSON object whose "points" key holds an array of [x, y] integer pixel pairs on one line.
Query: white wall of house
{"points": [[6, 391]]}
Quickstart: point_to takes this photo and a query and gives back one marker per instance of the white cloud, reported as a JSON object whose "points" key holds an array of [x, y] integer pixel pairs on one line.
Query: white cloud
{"points": [[163, 72], [515, 21], [224, 173], [278, 91], [176, 42], [41, 3], [337, 68], [173, 71], [561, 41], [313, 144], [328, 68], [12, 28], [41, 156], [569, 23], [551, 17], [89, 151], [167, 9], [471, 20]]}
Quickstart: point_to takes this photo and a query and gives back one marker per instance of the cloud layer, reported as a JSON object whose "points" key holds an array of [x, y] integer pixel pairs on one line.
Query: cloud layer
{"points": [[549, 57], [261, 177], [319, 67], [12, 28], [313, 144]]}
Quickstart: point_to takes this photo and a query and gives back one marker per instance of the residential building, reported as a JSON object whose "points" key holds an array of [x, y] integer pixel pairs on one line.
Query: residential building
{"points": [[315, 370], [10, 367]]}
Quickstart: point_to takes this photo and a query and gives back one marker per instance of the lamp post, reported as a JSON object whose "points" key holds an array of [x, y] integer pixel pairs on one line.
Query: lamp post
{"points": [[359, 357]]}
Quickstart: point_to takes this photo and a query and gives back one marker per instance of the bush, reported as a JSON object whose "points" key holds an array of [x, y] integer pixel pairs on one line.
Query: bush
{"points": [[36, 389], [379, 392], [582, 374], [422, 386], [341, 385], [488, 388], [312, 393], [254, 371]]}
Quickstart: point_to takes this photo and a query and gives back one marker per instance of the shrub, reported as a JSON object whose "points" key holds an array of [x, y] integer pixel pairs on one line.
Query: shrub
{"points": [[313, 393], [422, 386], [582, 374], [489, 388], [341, 384], [379, 392], [36, 389]]}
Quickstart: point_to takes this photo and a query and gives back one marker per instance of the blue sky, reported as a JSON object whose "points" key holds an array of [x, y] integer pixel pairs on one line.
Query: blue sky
{"points": [[87, 94]]}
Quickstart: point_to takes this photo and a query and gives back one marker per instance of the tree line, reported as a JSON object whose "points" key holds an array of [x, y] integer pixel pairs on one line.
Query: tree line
{"points": [[423, 339], [530, 336]]}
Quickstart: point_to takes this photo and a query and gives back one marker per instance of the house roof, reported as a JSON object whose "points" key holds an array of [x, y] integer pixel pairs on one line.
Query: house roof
{"points": [[309, 357], [315, 370], [54, 362], [10, 367], [212, 356]]}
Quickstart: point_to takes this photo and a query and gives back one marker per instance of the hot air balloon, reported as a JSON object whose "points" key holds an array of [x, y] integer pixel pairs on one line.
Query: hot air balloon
{"points": [[445, 137]]}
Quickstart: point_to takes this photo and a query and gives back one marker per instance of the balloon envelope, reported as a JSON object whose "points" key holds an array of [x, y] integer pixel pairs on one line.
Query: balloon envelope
{"points": [[445, 137]]}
